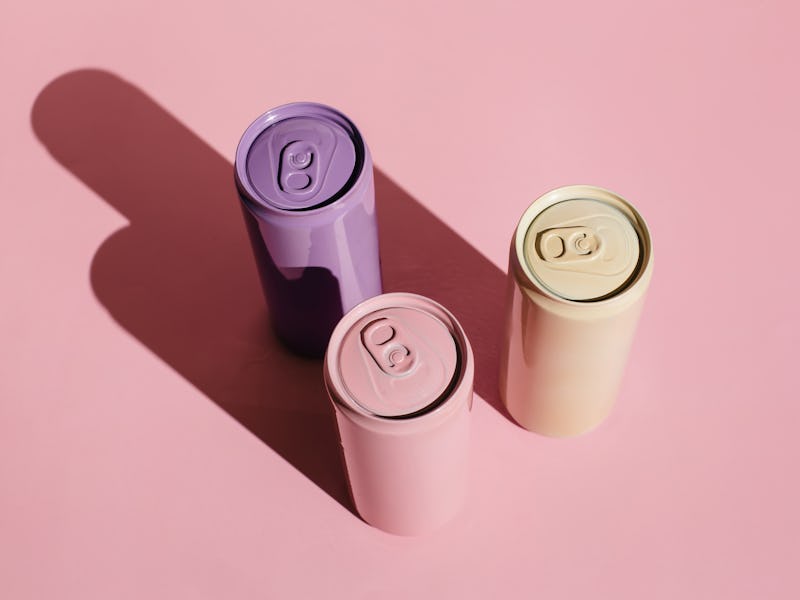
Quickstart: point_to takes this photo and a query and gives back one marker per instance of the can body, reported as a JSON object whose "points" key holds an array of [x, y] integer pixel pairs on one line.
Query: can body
{"points": [[304, 177], [580, 264], [404, 435]]}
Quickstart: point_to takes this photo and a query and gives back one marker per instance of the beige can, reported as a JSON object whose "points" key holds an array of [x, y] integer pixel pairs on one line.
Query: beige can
{"points": [[580, 264]]}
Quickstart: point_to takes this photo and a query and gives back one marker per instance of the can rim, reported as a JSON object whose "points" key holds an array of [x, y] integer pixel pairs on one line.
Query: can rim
{"points": [[333, 379], [257, 202], [589, 192]]}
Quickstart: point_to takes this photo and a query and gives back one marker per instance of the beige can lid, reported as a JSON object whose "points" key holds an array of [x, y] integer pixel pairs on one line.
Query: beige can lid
{"points": [[582, 243]]}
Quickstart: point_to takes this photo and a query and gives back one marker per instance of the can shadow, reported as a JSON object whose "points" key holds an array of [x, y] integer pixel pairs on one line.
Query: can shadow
{"points": [[182, 280]]}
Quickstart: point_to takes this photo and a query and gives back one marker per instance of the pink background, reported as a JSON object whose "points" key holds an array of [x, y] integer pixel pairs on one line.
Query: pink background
{"points": [[155, 442]]}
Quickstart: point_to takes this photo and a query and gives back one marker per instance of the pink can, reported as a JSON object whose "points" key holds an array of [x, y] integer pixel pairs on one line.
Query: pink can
{"points": [[399, 371]]}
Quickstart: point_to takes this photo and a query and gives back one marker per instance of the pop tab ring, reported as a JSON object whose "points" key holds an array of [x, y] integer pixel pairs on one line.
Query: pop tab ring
{"points": [[299, 156], [393, 357], [582, 243]]}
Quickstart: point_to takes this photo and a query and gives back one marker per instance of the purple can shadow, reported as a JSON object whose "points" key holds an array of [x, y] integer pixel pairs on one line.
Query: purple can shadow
{"points": [[304, 176]]}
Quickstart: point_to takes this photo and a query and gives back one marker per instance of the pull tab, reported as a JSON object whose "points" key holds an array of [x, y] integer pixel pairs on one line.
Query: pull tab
{"points": [[298, 172], [568, 244], [386, 344]]}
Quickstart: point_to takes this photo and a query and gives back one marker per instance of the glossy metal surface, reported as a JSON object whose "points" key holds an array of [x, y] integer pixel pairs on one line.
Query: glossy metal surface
{"points": [[305, 179], [563, 359], [404, 435]]}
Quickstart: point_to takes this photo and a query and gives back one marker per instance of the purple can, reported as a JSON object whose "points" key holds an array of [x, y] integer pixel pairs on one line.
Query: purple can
{"points": [[304, 175]]}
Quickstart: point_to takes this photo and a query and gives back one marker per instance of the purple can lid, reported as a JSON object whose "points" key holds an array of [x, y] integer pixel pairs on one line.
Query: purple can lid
{"points": [[396, 361], [299, 156]]}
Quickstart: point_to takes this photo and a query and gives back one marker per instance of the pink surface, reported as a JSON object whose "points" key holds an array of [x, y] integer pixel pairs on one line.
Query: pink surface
{"points": [[155, 442]]}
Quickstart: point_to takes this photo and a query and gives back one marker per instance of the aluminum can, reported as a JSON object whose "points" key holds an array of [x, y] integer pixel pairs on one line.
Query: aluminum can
{"points": [[580, 264], [399, 371], [304, 176]]}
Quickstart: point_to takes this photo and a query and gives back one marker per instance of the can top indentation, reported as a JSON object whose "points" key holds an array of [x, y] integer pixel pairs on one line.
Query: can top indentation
{"points": [[299, 156], [582, 247], [396, 361]]}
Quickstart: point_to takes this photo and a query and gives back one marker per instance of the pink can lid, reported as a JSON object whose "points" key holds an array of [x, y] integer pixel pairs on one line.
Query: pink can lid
{"points": [[395, 361]]}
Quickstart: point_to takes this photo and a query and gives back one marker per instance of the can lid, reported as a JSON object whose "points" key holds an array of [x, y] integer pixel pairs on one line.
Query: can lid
{"points": [[397, 361], [582, 248], [299, 156]]}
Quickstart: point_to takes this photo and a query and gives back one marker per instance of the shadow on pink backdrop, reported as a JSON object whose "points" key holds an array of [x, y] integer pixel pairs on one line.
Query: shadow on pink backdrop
{"points": [[181, 277]]}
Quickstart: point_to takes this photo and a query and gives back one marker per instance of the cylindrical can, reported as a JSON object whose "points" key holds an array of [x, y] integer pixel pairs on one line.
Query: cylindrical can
{"points": [[304, 176], [580, 263], [399, 371]]}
